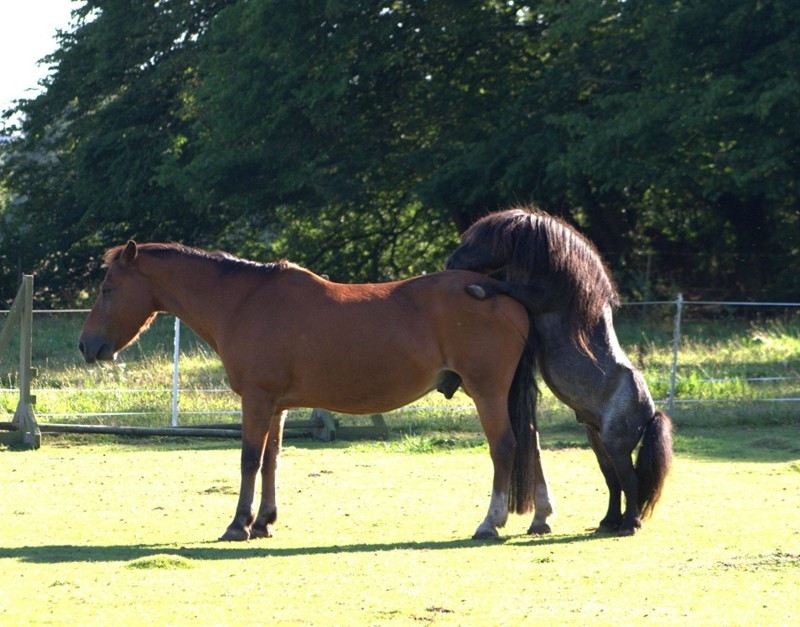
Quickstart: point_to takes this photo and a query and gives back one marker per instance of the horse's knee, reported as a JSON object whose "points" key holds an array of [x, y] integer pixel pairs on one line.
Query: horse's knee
{"points": [[250, 467]]}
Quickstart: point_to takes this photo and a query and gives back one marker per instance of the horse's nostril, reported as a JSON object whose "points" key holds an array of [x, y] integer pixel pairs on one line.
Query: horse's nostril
{"points": [[80, 347]]}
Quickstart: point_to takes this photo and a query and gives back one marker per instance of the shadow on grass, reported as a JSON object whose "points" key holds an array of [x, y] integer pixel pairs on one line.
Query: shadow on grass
{"points": [[67, 553]]}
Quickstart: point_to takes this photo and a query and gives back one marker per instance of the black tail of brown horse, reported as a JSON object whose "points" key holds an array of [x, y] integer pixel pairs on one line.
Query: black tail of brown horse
{"points": [[522, 399], [653, 462]]}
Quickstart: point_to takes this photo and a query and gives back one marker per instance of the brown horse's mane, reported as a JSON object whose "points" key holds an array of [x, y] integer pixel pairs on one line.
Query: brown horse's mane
{"points": [[225, 262], [545, 250]]}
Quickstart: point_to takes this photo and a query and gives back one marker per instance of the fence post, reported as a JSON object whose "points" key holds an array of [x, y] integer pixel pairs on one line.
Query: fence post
{"points": [[676, 338], [176, 355], [24, 416]]}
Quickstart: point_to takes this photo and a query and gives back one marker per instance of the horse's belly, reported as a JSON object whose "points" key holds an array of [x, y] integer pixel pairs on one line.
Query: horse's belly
{"points": [[360, 389]]}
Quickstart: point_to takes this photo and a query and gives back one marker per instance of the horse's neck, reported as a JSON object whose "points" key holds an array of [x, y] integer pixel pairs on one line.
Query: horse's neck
{"points": [[192, 290]]}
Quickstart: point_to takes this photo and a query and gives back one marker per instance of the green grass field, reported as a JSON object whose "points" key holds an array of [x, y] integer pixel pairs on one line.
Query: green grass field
{"points": [[376, 534]]}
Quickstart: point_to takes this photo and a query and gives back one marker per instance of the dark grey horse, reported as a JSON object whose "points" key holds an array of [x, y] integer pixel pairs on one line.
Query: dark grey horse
{"points": [[561, 279]]}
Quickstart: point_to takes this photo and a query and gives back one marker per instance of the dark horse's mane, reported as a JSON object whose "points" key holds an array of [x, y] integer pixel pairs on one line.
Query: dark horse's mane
{"points": [[225, 262], [543, 250]]}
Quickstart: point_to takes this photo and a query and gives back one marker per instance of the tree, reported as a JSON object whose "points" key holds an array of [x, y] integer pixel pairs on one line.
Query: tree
{"points": [[83, 164], [359, 137], [668, 127], [331, 116]]}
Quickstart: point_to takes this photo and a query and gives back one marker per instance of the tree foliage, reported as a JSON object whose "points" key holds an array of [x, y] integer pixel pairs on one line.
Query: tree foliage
{"points": [[359, 137]]}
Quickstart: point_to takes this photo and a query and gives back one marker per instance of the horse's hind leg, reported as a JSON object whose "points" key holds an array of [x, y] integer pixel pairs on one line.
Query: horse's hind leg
{"points": [[531, 298], [268, 510], [613, 518], [620, 454], [541, 496], [613, 452], [502, 443]]}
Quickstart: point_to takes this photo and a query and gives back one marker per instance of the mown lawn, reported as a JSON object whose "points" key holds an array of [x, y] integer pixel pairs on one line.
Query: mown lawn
{"points": [[111, 530]]}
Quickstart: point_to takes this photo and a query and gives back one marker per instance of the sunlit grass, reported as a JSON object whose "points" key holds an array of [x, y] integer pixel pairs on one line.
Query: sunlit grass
{"points": [[379, 534]]}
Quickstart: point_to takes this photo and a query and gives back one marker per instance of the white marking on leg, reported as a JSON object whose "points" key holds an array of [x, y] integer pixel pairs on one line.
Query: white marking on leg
{"points": [[495, 517], [543, 509], [541, 496]]}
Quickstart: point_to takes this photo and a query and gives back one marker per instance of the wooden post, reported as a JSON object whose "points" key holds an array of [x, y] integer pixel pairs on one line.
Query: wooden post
{"points": [[24, 416], [323, 425]]}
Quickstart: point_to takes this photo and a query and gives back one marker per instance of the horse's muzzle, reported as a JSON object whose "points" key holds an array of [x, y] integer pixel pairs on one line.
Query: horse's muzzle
{"points": [[96, 349]]}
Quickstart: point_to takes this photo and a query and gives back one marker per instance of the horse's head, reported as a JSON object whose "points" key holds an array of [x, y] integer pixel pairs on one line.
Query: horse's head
{"points": [[475, 258], [491, 245], [477, 253], [124, 308]]}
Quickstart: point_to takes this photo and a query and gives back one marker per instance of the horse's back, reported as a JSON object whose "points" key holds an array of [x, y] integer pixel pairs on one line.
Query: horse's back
{"points": [[370, 347]]}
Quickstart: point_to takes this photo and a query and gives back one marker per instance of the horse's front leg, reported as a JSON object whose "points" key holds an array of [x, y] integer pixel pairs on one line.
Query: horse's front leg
{"points": [[257, 412], [268, 511], [541, 495]]}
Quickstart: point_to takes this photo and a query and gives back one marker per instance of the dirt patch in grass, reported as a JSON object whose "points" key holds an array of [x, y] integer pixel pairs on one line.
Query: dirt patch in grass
{"points": [[771, 561], [161, 561]]}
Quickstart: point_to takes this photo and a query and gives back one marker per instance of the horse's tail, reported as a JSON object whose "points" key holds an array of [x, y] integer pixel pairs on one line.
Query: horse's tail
{"points": [[522, 399], [653, 461]]}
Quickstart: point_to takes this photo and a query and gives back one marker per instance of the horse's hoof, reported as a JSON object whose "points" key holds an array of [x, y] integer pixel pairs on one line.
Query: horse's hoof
{"points": [[486, 534], [609, 525], [629, 528], [539, 529], [261, 532], [487, 537], [233, 534], [476, 290]]}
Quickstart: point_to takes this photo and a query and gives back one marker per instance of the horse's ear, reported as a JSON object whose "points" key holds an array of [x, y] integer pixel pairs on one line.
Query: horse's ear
{"points": [[129, 254]]}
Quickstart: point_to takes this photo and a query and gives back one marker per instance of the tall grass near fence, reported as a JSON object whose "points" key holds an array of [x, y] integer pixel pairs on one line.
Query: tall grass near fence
{"points": [[731, 370]]}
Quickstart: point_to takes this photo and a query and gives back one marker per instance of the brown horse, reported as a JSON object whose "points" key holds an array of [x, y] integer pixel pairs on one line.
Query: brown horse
{"points": [[288, 338], [561, 279]]}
